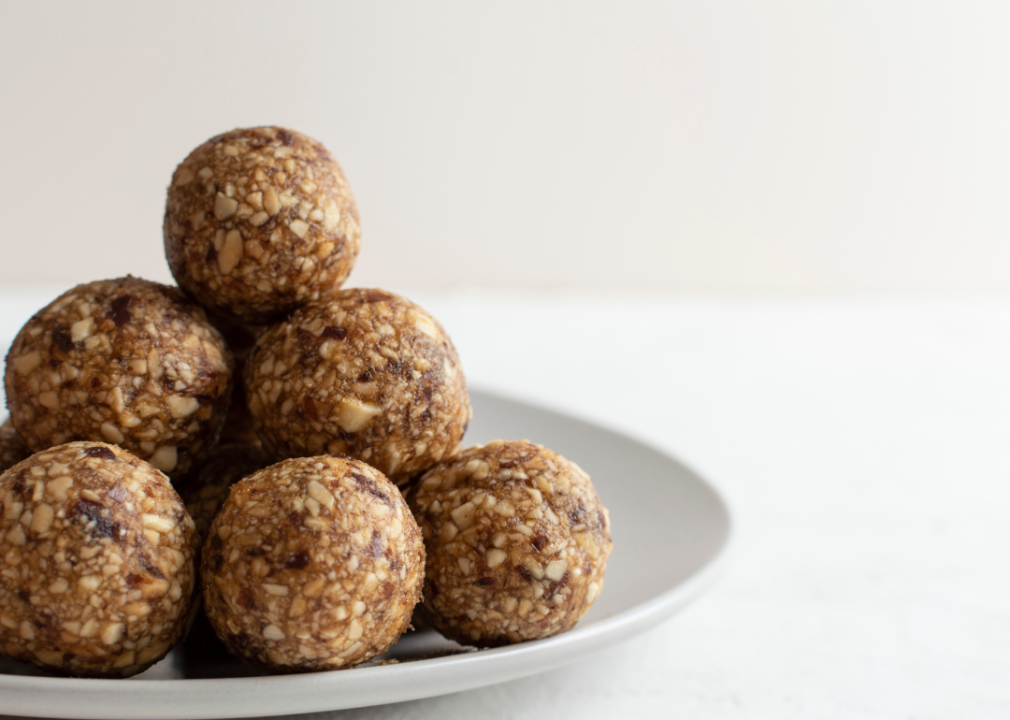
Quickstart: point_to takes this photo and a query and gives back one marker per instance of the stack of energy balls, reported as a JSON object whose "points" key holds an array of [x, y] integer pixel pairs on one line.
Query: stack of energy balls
{"points": [[293, 417]]}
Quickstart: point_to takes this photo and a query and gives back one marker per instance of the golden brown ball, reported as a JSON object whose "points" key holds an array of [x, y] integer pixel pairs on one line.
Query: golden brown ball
{"points": [[314, 563], [98, 561], [369, 374], [259, 222], [516, 540], [125, 361]]}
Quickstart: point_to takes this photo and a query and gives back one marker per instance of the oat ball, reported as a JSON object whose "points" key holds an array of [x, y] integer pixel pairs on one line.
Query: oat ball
{"points": [[259, 222], [12, 448], [127, 361], [98, 569], [312, 564], [516, 540], [205, 490], [368, 374]]}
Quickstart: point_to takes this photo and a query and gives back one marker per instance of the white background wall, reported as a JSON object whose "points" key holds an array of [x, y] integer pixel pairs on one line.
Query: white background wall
{"points": [[713, 147]]}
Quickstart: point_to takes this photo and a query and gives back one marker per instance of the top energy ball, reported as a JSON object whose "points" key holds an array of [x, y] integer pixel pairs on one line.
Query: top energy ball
{"points": [[260, 222]]}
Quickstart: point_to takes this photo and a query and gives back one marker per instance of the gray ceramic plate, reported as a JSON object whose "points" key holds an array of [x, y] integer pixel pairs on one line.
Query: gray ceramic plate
{"points": [[670, 529]]}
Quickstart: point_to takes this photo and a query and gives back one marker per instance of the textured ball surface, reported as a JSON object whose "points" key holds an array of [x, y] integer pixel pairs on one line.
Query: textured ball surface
{"points": [[516, 541], [368, 374], [312, 564], [259, 222], [124, 361], [97, 570]]}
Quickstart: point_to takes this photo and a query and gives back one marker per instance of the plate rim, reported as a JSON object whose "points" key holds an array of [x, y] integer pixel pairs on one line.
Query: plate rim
{"points": [[401, 681]]}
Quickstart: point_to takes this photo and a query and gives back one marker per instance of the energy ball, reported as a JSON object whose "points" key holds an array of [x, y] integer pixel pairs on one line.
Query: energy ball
{"points": [[12, 448], [259, 222], [312, 564], [97, 562], [206, 489], [368, 374], [516, 540], [125, 361]]}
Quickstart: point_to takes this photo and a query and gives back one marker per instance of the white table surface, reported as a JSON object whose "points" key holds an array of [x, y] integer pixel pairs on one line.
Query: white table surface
{"points": [[863, 447]]}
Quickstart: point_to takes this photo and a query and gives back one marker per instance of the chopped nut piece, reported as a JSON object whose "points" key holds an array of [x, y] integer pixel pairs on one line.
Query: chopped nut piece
{"points": [[42, 518], [24, 364], [270, 201], [181, 407], [272, 632], [556, 569], [82, 329], [354, 416], [111, 433], [165, 458], [320, 494], [463, 515], [157, 522], [224, 207], [57, 488], [231, 252]]}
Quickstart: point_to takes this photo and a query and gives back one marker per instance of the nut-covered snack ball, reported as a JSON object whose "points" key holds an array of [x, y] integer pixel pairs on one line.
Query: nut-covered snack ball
{"points": [[312, 564], [368, 374], [125, 361], [259, 222], [205, 491], [98, 567], [516, 540], [12, 448]]}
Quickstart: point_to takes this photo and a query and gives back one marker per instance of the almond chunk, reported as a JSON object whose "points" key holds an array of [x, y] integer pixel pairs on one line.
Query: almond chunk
{"points": [[231, 252], [111, 433], [556, 570], [165, 458], [24, 364], [271, 203], [272, 632], [320, 494], [353, 415], [42, 518], [224, 206], [82, 329], [463, 515], [181, 407], [259, 218], [156, 522]]}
